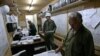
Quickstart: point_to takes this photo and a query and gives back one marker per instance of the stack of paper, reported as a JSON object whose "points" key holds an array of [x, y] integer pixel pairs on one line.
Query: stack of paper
{"points": [[26, 41], [25, 31], [14, 42], [49, 53], [30, 37]]}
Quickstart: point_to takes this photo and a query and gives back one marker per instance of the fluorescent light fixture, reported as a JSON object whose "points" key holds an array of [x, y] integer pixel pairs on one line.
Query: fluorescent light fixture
{"points": [[31, 8], [27, 7], [32, 1], [28, 1], [35, 2]]}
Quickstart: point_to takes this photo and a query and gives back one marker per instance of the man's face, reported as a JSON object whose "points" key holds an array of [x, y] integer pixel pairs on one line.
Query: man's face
{"points": [[29, 22], [47, 17], [74, 23], [19, 30]]}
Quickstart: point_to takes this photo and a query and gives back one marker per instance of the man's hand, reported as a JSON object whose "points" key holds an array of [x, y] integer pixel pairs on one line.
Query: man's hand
{"points": [[57, 50], [49, 32]]}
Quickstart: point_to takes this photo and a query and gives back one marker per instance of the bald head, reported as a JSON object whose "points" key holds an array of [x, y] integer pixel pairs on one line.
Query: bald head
{"points": [[75, 20], [76, 15], [29, 22]]}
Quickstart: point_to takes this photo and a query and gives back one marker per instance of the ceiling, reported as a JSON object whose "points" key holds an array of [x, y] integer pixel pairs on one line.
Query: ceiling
{"points": [[33, 6]]}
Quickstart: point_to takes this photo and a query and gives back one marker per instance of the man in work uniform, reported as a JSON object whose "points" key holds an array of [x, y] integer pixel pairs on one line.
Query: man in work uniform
{"points": [[32, 29], [79, 40], [49, 29]]}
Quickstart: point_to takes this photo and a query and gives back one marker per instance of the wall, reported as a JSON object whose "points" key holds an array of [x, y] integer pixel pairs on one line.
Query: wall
{"points": [[22, 20], [61, 23], [91, 19], [4, 41], [33, 19]]}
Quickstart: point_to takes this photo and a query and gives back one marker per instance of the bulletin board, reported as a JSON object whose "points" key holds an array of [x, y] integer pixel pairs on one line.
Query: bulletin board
{"points": [[3, 37]]}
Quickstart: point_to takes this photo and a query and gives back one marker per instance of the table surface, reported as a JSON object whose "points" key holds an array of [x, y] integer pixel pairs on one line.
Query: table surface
{"points": [[35, 42], [28, 47]]}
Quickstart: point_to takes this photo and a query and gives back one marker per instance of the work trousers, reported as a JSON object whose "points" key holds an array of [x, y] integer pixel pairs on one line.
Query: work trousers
{"points": [[49, 39]]}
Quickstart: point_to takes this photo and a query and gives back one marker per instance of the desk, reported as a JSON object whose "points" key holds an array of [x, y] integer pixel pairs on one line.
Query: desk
{"points": [[30, 48]]}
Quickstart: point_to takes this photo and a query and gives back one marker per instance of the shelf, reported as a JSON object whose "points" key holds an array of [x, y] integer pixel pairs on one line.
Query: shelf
{"points": [[69, 6], [77, 6]]}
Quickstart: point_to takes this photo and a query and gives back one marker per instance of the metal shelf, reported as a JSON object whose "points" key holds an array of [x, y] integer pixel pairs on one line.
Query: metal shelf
{"points": [[69, 6]]}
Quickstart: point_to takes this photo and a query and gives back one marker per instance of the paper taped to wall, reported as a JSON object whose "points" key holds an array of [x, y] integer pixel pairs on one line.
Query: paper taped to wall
{"points": [[95, 21]]}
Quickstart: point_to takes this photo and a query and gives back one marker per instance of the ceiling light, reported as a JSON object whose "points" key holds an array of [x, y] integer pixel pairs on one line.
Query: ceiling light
{"points": [[32, 2], [28, 1], [27, 7], [35, 2], [31, 8]]}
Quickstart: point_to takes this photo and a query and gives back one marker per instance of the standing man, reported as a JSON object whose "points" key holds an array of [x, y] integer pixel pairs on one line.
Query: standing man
{"points": [[32, 29], [49, 29], [79, 40]]}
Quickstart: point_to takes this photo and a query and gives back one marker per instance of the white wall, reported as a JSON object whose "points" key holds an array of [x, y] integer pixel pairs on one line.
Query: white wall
{"points": [[61, 23], [91, 19], [32, 18], [29, 18], [3, 36]]}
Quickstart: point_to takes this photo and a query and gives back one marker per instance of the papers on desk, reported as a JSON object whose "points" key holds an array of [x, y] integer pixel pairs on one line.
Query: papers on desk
{"points": [[14, 42], [22, 42], [30, 37], [49, 53], [25, 31], [26, 40]]}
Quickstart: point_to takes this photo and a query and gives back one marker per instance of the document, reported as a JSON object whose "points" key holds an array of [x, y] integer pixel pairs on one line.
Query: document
{"points": [[49, 53], [52, 53], [30, 37], [95, 20]]}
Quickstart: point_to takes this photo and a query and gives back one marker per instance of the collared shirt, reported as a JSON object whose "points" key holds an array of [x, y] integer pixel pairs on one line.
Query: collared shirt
{"points": [[68, 42], [49, 25], [79, 43]]}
